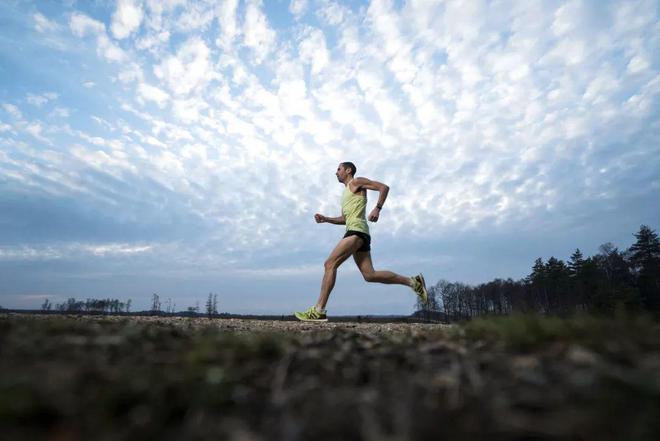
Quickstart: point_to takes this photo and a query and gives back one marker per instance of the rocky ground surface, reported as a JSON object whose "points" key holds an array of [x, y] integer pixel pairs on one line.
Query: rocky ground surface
{"points": [[116, 378]]}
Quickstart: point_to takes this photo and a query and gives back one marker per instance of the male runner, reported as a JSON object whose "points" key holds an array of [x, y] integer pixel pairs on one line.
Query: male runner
{"points": [[356, 241]]}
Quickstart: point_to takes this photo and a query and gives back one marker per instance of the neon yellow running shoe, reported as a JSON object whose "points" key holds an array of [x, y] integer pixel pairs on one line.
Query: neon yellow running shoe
{"points": [[311, 315], [419, 286]]}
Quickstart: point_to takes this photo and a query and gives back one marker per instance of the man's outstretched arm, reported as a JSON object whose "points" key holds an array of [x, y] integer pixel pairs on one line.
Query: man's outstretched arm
{"points": [[382, 189], [341, 220]]}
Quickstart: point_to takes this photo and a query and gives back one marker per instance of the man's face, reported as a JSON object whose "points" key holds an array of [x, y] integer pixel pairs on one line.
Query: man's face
{"points": [[341, 173]]}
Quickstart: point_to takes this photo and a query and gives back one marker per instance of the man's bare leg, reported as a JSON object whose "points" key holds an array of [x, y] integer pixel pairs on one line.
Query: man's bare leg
{"points": [[344, 249], [363, 261]]}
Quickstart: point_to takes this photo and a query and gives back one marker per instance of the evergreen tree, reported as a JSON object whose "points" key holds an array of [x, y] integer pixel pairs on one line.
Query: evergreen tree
{"points": [[645, 259], [538, 288], [557, 278], [576, 263], [577, 280], [645, 253], [538, 272]]}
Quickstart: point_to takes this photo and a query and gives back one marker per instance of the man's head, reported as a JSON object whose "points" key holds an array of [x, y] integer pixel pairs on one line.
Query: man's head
{"points": [[344, 170]]}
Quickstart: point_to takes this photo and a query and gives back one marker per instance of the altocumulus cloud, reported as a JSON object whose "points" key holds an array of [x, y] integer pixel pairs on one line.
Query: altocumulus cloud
{"points": [[183, 147]]}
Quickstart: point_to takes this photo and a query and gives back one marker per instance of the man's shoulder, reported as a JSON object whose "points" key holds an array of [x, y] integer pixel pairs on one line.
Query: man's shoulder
{"points": [[358, 184]]}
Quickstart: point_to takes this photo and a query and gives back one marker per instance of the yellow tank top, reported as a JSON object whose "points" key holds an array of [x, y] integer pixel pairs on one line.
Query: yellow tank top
{"points": [[353, 207]]}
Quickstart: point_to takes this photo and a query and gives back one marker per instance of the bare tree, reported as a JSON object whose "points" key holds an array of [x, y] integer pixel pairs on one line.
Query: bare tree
{"points": [[46, 305], [212, 304], [155, 303], [209, 305]]}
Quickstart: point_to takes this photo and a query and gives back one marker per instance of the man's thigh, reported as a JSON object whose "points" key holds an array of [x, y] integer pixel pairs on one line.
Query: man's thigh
{"points": [[345, 249]]}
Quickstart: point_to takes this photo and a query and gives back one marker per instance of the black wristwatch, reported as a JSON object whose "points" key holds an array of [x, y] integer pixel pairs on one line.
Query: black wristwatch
{"points": [[380, 207]]}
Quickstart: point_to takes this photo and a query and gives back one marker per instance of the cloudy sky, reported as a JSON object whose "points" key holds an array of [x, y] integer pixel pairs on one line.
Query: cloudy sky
{"points": [[182, 147]]}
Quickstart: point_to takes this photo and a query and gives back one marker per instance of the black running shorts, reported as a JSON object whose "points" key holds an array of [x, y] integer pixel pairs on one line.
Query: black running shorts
{"points": [[366, 239]]}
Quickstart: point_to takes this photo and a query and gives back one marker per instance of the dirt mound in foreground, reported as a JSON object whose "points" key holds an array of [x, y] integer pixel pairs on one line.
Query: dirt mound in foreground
{"points": [[176, 378]]}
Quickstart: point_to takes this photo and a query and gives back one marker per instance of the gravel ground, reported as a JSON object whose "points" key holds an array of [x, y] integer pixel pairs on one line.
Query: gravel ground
{"points": [[250, 325], [247, 325]]}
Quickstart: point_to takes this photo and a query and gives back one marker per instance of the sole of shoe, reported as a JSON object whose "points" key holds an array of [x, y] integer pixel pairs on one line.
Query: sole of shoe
{"points": [[417, 293], [426, 294]]}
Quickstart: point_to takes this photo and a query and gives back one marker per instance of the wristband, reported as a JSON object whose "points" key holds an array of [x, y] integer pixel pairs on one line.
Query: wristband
{"points": [[380, 207]]}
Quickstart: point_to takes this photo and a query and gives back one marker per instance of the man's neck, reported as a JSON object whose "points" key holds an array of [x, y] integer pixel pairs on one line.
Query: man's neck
{"points": [[348, 180]]}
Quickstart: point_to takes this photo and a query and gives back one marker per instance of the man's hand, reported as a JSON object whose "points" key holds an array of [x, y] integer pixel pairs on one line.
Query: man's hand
{"points": [[373, 216], [319, 218]]}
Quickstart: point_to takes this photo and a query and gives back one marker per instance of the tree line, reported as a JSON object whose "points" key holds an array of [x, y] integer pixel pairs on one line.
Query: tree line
{"points": [[609, 280], [105, 306], [114, 306]]}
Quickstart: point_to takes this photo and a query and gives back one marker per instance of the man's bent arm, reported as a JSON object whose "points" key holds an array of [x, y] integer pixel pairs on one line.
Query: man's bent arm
{"points": [[368, 184], [341, 220]]}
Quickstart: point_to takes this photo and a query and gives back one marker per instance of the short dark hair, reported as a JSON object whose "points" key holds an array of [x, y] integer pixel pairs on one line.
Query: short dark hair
{"points": [[351, 166]]}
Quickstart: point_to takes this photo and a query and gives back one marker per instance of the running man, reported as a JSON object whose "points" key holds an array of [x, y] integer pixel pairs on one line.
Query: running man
{"points": [[356, 241]]}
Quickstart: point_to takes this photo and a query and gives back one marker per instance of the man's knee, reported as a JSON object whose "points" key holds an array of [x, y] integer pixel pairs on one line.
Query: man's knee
{"points": [[370, 276], [331, 264]]}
